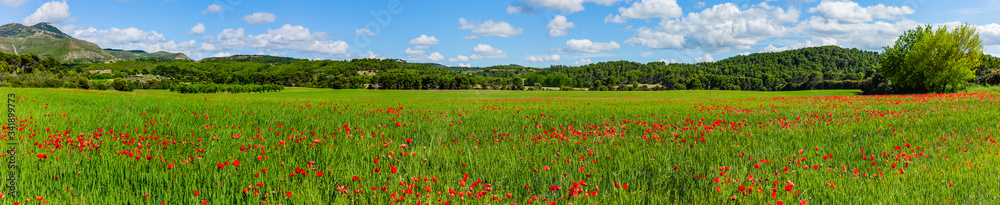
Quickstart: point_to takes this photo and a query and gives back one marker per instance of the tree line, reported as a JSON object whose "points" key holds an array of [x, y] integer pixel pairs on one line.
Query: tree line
{"points": [[224, 88]]}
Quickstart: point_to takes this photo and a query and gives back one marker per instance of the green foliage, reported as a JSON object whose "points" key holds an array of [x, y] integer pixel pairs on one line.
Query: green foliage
{"points": [[83, 83], [120, 84], [928, 59], [217, 88]]}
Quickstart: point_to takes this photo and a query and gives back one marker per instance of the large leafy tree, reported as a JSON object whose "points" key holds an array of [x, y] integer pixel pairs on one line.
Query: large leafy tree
{"points": [[928, 59]]}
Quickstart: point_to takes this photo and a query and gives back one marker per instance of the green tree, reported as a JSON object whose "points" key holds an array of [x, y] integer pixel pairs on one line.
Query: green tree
{"points": [[928, 59], [121, 85]]}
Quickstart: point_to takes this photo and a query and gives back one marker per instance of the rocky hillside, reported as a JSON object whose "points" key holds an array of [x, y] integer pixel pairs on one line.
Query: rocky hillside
{"points": [[45, 40]]}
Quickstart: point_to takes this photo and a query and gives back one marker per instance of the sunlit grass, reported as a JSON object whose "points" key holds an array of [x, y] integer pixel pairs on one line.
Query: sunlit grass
{"points": [[667, 147]]}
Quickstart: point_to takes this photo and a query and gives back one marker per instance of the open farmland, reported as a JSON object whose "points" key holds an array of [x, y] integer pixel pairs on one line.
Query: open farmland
{"points": [[312, 146]]}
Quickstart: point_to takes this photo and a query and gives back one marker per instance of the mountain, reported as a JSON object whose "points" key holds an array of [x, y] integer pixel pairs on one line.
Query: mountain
{"points": [[19, 30], [45, 40]]}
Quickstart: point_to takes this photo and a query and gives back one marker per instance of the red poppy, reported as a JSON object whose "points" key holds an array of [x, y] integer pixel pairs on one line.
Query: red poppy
{"points": [[221, 165]]}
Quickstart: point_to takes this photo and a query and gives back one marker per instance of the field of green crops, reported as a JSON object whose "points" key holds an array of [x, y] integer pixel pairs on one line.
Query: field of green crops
{"points": [[312, 146]]}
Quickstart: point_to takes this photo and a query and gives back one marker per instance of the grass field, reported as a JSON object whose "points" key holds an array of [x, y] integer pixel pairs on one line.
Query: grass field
{"points": [[318, 146]]}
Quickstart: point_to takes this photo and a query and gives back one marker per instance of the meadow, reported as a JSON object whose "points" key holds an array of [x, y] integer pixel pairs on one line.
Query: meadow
{"points": [[321, 146]]}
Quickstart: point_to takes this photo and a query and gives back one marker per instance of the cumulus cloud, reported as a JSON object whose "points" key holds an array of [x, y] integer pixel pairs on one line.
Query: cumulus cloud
{"points": [[459, 58], [539, 59], [222, 54], [424, 40], [707, 58], [197, 29], [570, 6], [465, 65], [807, 43], [718, 29], [134, 39], [12, 3], [583, 61], [587, 46], [989, 34], [655, 39], [868, 35], [557, 27], [433, 57], [484, 51], [670, 61], [647, 9], [212, 9], [851, 12], [514, 9], [363, 31], [259, 18], [54, 11], [489, 28], [288, 37], [413, 52], [368, 54]]}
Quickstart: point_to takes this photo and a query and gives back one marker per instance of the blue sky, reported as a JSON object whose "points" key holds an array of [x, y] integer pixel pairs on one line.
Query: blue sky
{"points": [[483, 33]]}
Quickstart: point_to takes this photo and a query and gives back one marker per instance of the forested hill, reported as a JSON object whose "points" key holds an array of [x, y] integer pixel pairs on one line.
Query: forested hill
{"points": [[826, 67], [806, 68]]}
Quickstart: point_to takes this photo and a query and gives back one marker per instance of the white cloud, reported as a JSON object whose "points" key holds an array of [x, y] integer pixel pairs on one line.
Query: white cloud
{"points": [[222, 54], [539, 59], [368, 54], [212, 9], [670, 61], [197, 29], [851, 12], [707, 58], [363, 31], [433, 57], [484, 51], [647, 9], [656, 40], [134, 39], [259, 18], [424, 40], [615, 19], [465, 65], [288, 37], [807, 43], [587, 46], [54, 11], [489, 28], [557, 27], [414, 52], [743, 53], [989, 34], [570, 6], [872, 35], [459, 58], [513, 9], [12, 3], [583, 61], [720, 28]]}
